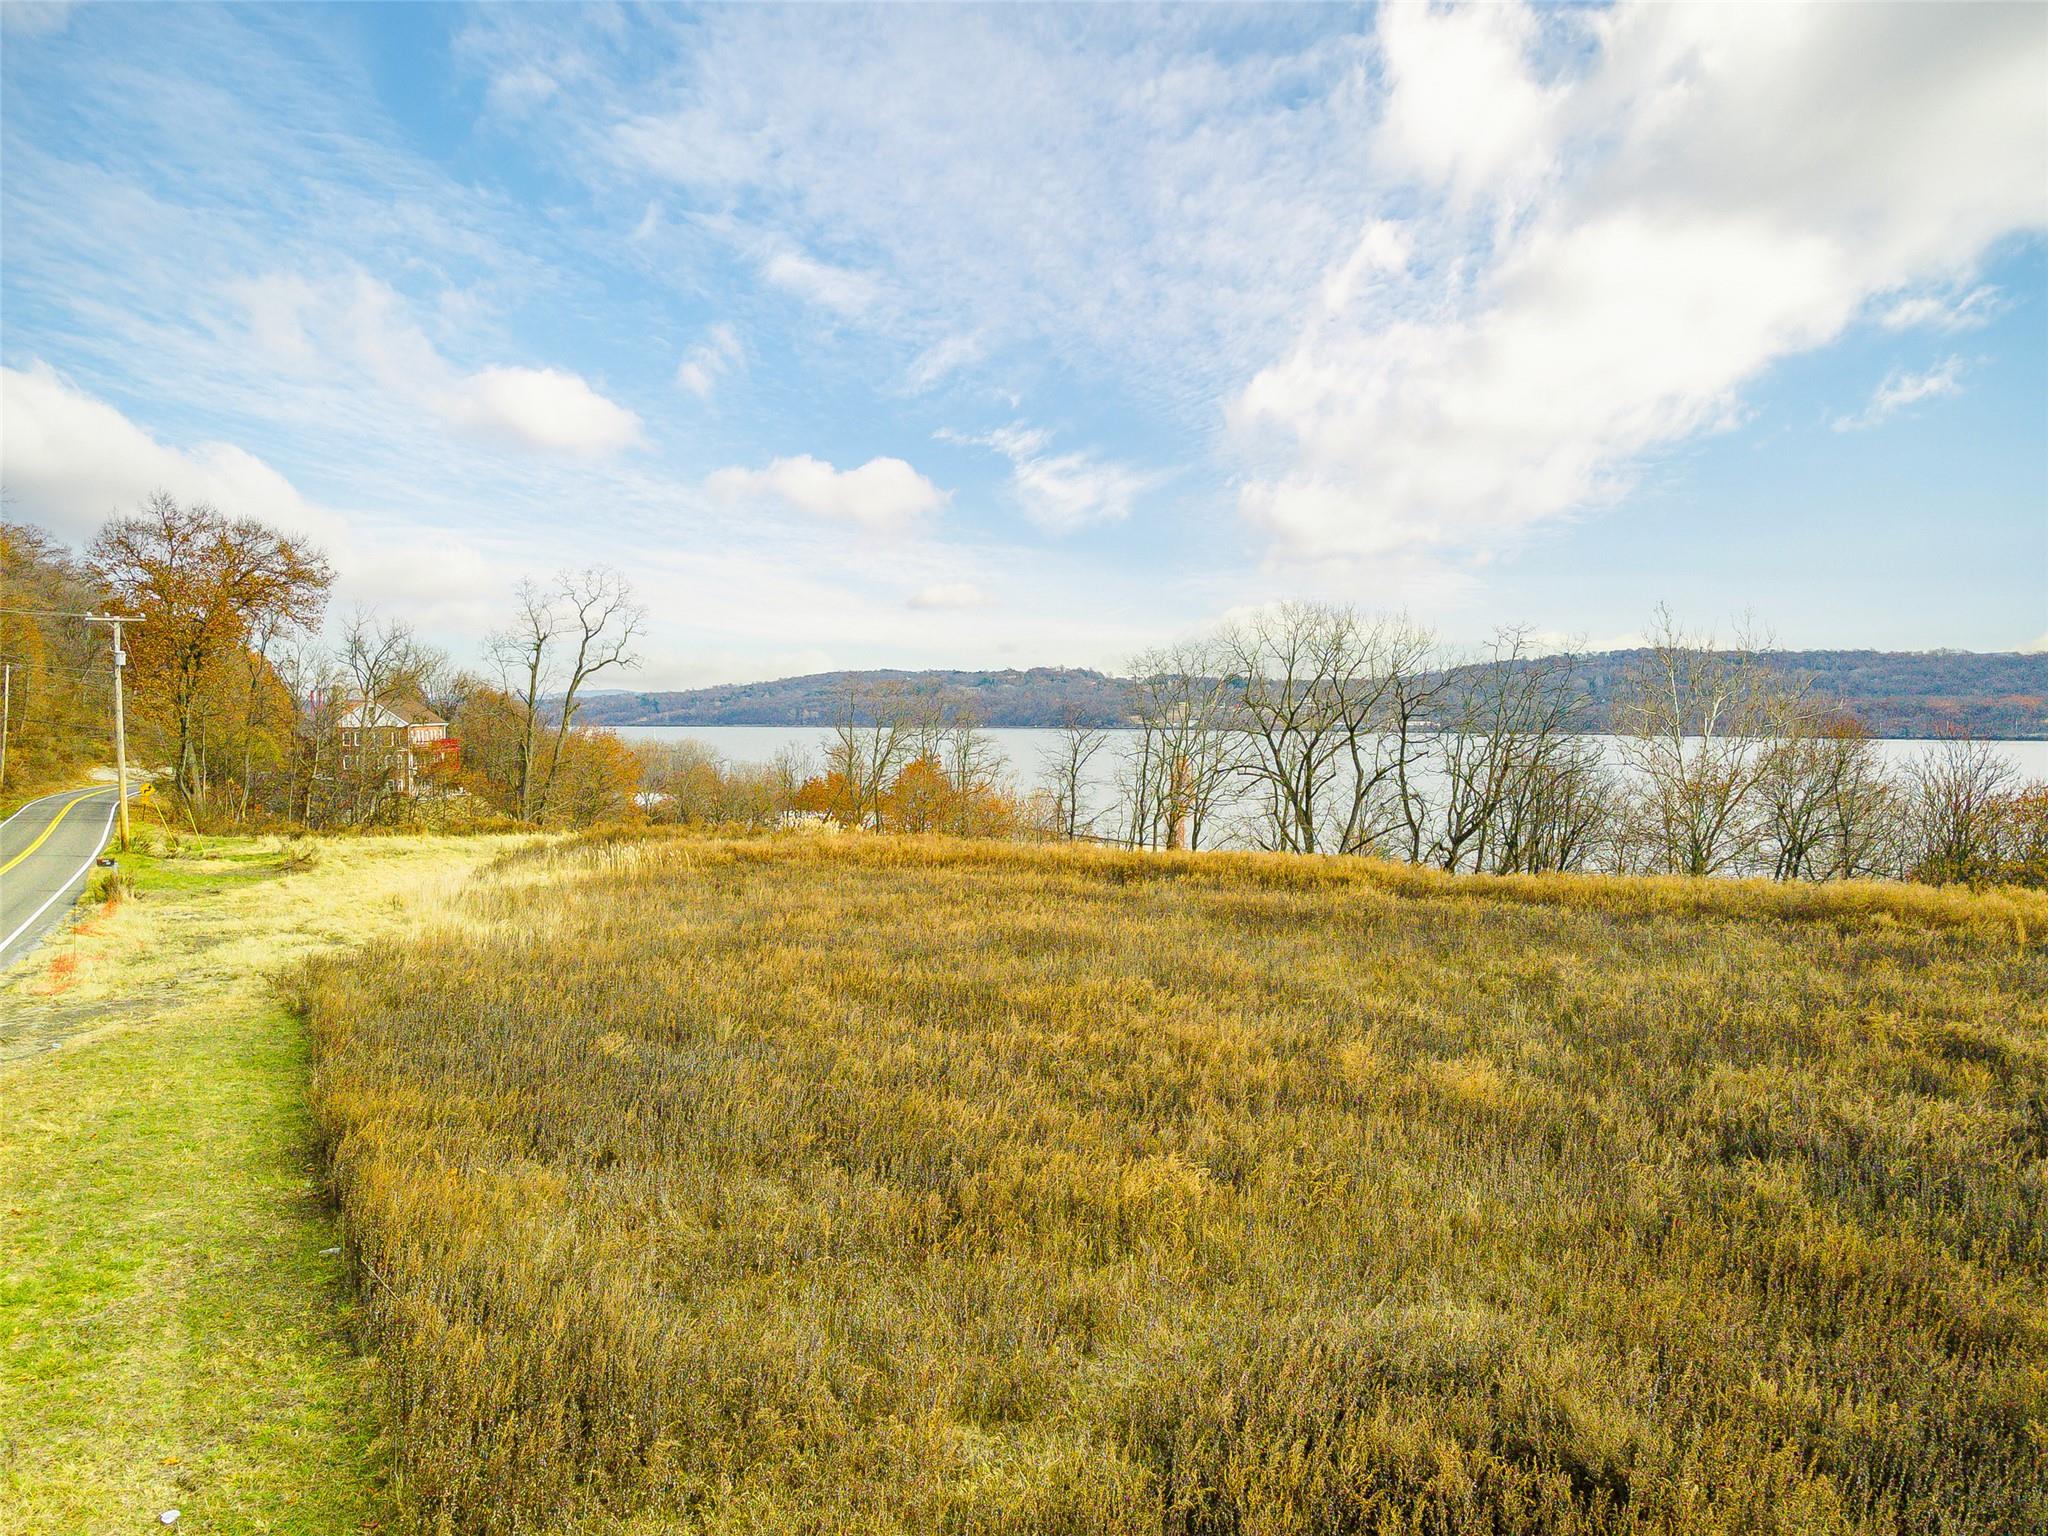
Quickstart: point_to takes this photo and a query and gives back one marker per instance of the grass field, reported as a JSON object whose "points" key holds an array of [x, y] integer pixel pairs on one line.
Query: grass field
{"points": [[848, 1184], [174, 1321]]}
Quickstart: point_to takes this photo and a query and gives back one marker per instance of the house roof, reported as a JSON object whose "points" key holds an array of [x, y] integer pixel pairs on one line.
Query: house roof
{"points": [[379, 716]]}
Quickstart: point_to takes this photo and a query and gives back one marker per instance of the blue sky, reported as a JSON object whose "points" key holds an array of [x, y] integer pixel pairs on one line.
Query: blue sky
{"points": [[955, 336]]}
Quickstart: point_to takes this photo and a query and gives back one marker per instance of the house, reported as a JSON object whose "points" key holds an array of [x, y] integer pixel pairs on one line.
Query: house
{"points": [[403, 738]]}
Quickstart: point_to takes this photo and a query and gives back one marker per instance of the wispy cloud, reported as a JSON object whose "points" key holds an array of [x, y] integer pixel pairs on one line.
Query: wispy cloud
{"points": [[1061, 492], [836, 288], [31, 18], [709, 361], [1950, 311], [521, 89], [355, 322], [943, 357], [1901, 389]]}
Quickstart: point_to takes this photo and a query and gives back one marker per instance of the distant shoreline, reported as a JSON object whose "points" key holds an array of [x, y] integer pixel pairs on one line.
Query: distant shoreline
{"points": [[1899, 695]]}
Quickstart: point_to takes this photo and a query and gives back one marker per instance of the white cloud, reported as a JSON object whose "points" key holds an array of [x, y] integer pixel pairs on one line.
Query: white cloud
{"points": [[1448, 283], [883, 494], [949, 594], [941, 358], [1061, 492], [540, 408], [1901, 389], [1942, 311], [519, 90], [1614, 254], [835, 288], [322, 326], [68, 461], [708, 361], [1462, 110]]}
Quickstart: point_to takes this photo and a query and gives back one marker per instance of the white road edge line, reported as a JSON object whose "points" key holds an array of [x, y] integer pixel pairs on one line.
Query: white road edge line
{"points": [[39, 911]]}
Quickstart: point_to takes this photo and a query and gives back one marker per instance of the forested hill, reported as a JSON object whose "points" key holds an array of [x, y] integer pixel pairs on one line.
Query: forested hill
{"points": [[1894, 693]]}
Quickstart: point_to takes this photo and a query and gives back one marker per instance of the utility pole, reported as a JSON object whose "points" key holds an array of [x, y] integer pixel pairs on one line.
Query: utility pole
{"points": [[120, 720], [120, 717], [120, 735], [6, 713]]}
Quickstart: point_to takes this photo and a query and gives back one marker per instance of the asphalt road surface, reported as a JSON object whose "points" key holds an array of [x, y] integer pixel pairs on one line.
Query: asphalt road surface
{"points": [[47, 850]]}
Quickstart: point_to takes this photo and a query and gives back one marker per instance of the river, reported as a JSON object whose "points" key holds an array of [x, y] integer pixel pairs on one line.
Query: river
{"points": [[1025, 750]]}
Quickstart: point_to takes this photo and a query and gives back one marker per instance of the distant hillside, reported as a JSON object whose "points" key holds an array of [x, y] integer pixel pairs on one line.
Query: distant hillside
{"points": [[1894, 693]]}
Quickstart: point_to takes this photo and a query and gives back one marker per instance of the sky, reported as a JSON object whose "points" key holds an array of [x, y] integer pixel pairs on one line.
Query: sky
{"points": [[986, 337]]}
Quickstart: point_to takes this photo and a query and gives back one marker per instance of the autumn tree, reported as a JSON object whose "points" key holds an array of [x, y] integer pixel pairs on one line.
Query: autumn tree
{"points": [[597, 779], [922, 798], [876, 734], [202, 584], [58, 687]]}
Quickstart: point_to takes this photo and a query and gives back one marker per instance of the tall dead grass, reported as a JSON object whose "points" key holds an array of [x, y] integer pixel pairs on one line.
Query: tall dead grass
{"points": [[905, 1185]]}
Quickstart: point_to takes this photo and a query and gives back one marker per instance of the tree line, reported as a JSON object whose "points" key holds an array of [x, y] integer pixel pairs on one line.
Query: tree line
{"points": [[253, 716], [1313, 728], [1306, 728]]}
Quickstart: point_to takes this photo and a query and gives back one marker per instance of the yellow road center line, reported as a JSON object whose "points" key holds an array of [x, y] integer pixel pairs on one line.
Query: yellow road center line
{"points": [[32, 847]]}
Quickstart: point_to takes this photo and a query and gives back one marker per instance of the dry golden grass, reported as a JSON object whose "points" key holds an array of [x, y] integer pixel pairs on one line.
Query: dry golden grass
{"points": [[903, 1186]]}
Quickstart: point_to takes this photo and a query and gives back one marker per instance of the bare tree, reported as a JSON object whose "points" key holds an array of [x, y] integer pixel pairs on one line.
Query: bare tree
{"points": [[308, 675], [1959, 793], [1188, 745], [1064, 774], [382, 668], [1828, 808], [877, 734], [1696, 725], [524, 654], [973, 765], [560, 636], [602, 620], [788, 771], [1301, 668], [1387, 726], [1511, 787]]}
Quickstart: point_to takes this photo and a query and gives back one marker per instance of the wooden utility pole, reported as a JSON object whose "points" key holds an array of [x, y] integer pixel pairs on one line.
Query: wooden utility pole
{"points": [[6, 713], [120, 717], [120, 735]]}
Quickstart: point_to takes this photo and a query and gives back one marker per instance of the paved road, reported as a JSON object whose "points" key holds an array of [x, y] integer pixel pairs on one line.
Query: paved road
{"points": [[47, 850]]}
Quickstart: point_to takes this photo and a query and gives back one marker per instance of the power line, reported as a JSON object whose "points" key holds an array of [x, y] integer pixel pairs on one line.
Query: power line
{"points": [[63, 613], [25, 666]]}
